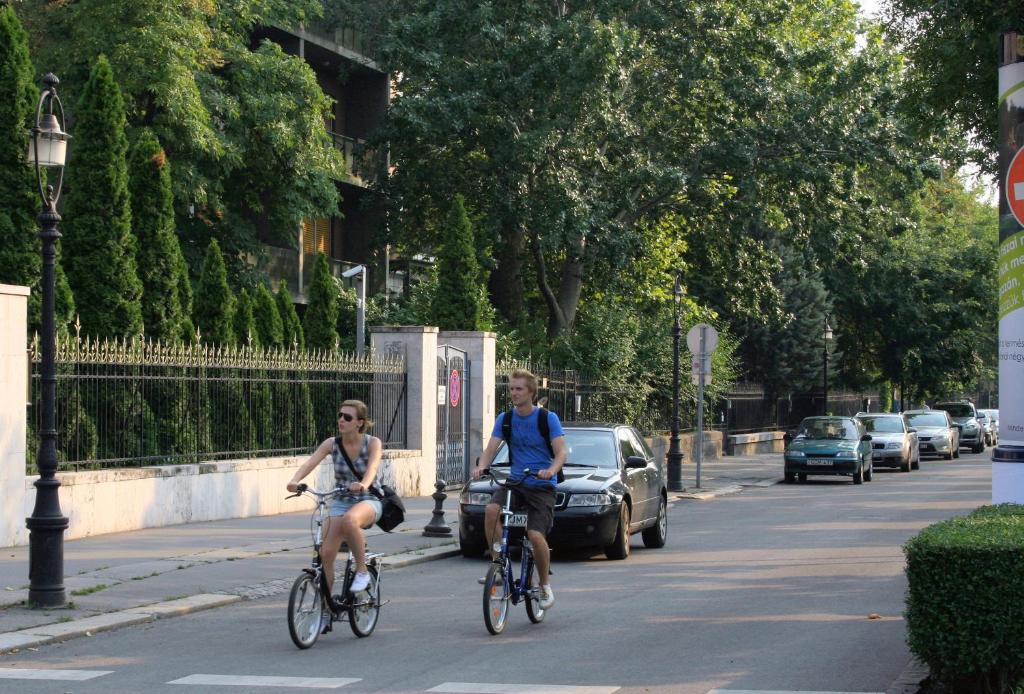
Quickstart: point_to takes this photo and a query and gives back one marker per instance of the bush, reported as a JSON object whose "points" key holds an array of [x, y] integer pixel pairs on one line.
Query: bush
{"points": [[965, 612]]}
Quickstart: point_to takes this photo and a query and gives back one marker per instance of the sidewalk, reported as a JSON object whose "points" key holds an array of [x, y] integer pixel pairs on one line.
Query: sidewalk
{"points": [[130, 578]]}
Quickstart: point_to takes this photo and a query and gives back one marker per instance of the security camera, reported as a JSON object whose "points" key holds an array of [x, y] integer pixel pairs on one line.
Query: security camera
{"points": [[352, 272]]}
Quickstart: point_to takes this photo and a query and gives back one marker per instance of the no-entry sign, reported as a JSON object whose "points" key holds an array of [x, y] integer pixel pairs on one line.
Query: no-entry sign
{"points": [[1015, 186]]}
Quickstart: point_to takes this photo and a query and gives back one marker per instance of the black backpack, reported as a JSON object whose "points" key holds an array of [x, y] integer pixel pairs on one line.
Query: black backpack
{"points": [[545, 433]]}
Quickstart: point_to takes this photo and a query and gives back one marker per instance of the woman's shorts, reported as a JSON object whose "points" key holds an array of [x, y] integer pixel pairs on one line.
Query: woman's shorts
{"points": [[341, 506]]}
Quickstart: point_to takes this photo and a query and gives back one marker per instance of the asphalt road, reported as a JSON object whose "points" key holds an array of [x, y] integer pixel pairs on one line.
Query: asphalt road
{"points": [[767, 590]]}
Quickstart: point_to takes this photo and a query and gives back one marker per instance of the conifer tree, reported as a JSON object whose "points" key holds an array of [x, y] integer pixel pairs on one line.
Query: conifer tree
{"points": [[322, 311], [290, 323], [158, 251], [184, 284], [214, 303], [267, 318], [20, 259], [457, 303], [99, 248], [243, 325]]}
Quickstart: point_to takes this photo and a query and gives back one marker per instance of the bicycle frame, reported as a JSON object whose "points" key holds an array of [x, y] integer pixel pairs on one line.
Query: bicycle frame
{"points": [[520, 589]]}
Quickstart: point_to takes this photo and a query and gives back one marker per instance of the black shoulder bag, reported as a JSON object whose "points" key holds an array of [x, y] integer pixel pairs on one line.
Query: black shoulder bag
{"points": [[392, 509]]}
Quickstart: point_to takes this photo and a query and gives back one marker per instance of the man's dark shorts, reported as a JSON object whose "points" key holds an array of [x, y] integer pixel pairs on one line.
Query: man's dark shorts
{"points": [[539, 503]]}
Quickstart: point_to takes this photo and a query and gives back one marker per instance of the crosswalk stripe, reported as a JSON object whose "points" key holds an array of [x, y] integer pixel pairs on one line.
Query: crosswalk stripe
{"points": [[258, 681], [487, 688], [779, 691], [9, 673]]}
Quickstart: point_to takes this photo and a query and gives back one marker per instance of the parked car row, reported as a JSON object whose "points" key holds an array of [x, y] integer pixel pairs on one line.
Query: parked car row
{"points": [[854, 446], [613, 488]]}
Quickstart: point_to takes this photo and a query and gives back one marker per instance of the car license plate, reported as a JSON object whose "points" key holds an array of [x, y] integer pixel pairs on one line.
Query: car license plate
{"points": [[876, 456], [820, 461], [517, 520]]}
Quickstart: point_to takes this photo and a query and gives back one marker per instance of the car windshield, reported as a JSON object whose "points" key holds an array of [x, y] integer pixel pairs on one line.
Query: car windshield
{"points": [[591, 447], [830, 428], [883, 425], [958, 410], [927, 419]]}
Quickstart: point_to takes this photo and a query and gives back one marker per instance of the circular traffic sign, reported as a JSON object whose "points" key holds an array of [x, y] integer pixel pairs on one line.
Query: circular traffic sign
{"points": [[1015, 186], [454, 388], [710, 338]]}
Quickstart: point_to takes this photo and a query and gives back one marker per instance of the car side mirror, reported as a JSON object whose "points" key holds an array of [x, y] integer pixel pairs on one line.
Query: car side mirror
{"points": [[635, 461], [865, 437], [911, 430], [958, 426]]}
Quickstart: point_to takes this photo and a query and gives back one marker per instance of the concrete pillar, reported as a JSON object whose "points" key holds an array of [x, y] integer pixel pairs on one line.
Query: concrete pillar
{"points": [[13, 412], [479, 347], [417, 345]]}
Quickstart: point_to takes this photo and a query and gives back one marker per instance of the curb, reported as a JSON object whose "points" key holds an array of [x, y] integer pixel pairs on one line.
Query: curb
{"points": [[909, 681], [14, 641], [703, 494]]}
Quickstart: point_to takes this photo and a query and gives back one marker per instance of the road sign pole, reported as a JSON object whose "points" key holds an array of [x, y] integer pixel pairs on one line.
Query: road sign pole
{"points": [[700, 404], [1008, 458]]}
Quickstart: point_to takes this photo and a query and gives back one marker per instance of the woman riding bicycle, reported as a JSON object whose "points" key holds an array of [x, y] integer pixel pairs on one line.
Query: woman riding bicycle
{"points": [[356, 459]]}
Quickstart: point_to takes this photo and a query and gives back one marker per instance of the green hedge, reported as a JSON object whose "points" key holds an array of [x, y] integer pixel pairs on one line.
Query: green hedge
{"points": [[965, 602]]}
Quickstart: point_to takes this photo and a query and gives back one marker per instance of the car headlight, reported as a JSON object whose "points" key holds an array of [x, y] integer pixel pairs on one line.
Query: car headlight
{"points": [[846, 454], [894, 444], [940, 438], [475, 498], [590, 499], [796, 454], [971, 428]]}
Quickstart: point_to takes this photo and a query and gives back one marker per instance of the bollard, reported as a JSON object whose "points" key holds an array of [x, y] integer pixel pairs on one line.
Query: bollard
{"points": [[437, 527]]}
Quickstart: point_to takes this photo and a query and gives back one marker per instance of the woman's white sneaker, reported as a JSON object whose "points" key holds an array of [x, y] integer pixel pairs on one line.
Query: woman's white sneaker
{"points": [[547, 598], [360, 581]]}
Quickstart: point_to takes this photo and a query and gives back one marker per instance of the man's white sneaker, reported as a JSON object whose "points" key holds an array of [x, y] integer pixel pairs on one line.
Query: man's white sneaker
{"points": [[360, 581], [547, 598]]}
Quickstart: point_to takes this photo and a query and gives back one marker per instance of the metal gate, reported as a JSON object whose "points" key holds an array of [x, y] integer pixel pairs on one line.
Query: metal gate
{"points": [[452, 416]]}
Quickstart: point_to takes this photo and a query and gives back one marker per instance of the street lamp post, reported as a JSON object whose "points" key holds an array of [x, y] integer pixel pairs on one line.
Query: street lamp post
{"points": [[826, 337], [675, 453], [47, 524]]}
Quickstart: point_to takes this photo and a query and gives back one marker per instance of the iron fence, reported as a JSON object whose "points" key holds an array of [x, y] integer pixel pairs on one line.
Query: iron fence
{"points": [[132, 403], [748, 408]]}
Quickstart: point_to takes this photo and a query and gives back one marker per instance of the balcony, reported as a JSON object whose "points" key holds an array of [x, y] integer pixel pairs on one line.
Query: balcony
{"points": [[363, 166]]}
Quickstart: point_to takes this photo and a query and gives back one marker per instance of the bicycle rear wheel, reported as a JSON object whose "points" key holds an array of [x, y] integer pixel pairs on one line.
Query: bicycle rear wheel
{"points": [[496, 599], [533, 609], [305, 611], [365, 606]]}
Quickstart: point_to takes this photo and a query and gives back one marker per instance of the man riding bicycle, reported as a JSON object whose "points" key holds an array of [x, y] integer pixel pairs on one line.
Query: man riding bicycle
{"points": [[528, 449]]}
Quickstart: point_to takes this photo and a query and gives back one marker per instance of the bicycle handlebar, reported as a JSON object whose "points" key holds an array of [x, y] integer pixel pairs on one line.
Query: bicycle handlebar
{"points": [[304, 489], [508, 483]]}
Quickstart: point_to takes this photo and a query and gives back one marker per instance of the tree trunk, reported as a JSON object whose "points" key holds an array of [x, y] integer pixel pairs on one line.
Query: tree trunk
{"points": [[506, 282], [570, 288]]}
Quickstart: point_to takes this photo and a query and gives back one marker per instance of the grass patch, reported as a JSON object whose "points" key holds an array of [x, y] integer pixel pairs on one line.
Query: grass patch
{"points": [[91, 589]]}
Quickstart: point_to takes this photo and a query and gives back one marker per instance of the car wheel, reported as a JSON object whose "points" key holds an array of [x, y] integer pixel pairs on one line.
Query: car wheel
{"points": [[471, 551], [869, 474], [916, 463], [858, 476], [802, 476], [619, 548], [906, 465], [956, 452], [790, 477], [980, 448], [948, 456], [656, 535]]}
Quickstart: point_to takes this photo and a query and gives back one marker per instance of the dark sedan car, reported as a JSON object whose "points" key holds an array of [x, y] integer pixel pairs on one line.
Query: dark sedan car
{"points": [[613, 488], [829, 446]]}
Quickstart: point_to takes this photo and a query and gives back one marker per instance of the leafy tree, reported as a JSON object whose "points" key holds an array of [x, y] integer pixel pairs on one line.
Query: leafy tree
{"points": [[214, 304], [267, 319], [242, 321], [242, 121], [99, 248], [457, 302], [159, 254], [292, 326], [321, 318]]}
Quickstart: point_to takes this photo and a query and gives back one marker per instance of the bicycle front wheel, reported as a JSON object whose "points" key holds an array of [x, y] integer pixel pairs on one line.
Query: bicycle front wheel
{"points": [[305, 611], [365, 607], [533, 609], [496, 599]]}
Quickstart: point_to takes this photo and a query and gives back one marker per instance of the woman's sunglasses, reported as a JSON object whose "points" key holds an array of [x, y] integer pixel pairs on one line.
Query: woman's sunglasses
{"points": [[346, 416]]}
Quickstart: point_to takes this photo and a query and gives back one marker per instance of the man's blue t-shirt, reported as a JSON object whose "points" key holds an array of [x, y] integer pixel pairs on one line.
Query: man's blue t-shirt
{"points": [[529, 449]]}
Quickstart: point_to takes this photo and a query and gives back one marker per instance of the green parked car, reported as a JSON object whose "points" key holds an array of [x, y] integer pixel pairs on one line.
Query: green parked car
{"points": [[829, 446]]}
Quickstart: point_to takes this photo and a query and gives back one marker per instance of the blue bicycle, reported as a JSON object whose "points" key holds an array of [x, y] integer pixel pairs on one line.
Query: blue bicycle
{"points": [[501, 588]]}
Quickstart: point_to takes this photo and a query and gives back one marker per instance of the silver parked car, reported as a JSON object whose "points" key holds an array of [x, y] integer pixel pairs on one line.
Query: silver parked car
{"points": [[993, 425], [893, 442], [965, 417], [936, 433]]}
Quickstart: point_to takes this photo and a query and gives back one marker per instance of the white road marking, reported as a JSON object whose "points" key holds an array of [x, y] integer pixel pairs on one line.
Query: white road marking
{"points": [[9, 673], [258, 681], [779, 691], [486, 688]]}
